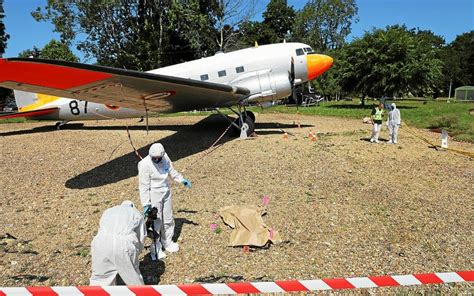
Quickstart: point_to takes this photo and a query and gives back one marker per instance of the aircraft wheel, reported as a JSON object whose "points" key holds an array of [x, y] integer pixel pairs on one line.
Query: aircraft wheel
{"points": [[249, 126], [249, 114]]}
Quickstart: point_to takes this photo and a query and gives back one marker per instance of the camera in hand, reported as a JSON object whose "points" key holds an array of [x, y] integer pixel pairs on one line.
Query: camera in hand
{"points": [[150, 228]]}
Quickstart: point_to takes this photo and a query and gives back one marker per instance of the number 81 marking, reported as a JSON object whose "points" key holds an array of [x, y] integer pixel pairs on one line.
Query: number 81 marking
{"points": [[74, 106]]}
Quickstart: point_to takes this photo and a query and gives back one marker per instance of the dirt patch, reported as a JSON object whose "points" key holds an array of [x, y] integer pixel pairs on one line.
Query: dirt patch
{"points": [[344, 207]]}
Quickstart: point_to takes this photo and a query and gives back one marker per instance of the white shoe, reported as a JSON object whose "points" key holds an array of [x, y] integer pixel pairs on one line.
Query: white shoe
{"points": [[161, 255], [173, 247], [371, 140], [389, 142], [377, 141]]}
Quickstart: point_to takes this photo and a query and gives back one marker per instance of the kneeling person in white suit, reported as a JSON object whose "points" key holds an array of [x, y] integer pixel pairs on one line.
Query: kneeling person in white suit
{"points": [[153, 172], [116, 246]]}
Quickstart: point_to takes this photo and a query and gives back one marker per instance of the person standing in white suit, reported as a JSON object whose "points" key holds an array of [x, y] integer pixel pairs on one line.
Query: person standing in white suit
{"points": [[393, 123], [116, 246], [153, 173]]}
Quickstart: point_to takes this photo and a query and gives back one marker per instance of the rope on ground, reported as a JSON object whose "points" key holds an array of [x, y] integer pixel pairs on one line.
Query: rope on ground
{"points": [[463, 152], [208, 150], [131, 143], [129, 137]]}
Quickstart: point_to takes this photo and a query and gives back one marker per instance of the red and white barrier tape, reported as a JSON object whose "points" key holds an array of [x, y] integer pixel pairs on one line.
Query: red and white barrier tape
{"points": [[250, 288]]}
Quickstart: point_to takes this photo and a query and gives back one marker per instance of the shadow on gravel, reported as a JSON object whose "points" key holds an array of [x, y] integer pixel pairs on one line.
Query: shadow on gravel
{"points": [[188, 140], [368, 139], [151, 270], [220, 279], [30, 277], [178, 226]]}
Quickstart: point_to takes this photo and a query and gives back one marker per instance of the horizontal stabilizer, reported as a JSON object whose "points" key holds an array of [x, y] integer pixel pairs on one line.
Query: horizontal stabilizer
{"points": [[27, 114]]}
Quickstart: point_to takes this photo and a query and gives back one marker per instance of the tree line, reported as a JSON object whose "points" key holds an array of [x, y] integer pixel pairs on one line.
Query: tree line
{"points": [[148, 34]]}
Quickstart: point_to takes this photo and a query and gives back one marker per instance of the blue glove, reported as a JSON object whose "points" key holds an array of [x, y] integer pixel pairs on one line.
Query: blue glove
{"points": [[187, 183], [146, 210]]}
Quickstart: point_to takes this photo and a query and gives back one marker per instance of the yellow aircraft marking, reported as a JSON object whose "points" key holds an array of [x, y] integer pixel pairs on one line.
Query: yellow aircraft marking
{"points": [[41, 101]]}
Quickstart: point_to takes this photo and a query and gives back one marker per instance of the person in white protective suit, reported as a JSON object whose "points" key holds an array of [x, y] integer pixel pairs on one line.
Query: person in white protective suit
{"points": [[116, 246], [153, 173], [393, 123]]}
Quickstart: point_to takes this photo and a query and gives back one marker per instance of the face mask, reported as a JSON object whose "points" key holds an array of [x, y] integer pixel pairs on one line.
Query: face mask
{"points": [[156, 160]]}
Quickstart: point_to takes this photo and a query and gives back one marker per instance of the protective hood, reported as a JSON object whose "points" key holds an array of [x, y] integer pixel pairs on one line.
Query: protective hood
{"points": [[156, 150], [394, 106], [128, 203]]}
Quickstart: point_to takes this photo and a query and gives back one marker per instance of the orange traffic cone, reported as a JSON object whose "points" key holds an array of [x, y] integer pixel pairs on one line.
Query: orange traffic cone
{"points": [[285, 135]]}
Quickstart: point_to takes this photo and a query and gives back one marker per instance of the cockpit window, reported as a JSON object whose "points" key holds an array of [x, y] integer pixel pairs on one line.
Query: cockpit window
{"points": [[308, 49], [299, 51]]}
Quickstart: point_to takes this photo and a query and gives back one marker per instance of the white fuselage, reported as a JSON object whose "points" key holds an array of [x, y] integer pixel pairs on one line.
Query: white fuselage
{"points": [[264, 70]]}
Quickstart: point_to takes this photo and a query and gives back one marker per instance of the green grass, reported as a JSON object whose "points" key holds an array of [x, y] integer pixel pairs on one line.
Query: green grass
{"points": [[15, 120], [454, 117]]}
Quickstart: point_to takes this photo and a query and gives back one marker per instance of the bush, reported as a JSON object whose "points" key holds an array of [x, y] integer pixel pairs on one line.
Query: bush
{"points": [[443, 121]]}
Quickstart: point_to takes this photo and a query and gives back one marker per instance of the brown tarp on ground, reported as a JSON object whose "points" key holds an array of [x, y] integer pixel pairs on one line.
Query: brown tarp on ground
{"points": [[249, 229]]}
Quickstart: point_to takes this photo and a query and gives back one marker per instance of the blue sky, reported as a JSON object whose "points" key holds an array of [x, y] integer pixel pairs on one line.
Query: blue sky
{"points": [[447, 18]]}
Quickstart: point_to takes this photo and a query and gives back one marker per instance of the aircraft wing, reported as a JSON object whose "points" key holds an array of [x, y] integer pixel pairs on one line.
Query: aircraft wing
{"points": [[114, 86]]}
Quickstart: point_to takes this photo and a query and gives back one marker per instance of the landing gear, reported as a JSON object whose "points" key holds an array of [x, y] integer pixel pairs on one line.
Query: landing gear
{"points": [[244, 125], [59, 124], [247, 128]]}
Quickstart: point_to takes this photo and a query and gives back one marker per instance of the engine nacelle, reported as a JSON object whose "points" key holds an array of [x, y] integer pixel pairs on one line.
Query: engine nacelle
{"points": [[264, 86]]}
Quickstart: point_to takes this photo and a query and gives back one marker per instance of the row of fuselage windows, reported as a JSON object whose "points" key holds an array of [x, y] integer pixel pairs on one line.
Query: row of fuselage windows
{"points": [[222, 73]]}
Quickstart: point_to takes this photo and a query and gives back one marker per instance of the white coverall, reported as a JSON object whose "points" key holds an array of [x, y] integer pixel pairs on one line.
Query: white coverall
{"points": [[393, 123], [116, 246], [155, 191]]}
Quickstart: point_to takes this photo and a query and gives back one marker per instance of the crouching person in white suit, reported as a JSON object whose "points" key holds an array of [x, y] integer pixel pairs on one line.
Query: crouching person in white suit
{"points": [[153, 172], [116, 246]]}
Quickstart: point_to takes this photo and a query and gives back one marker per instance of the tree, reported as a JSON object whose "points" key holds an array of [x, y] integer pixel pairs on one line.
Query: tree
{"points": [[4, 93], [324, 24], [3, 35], [54, 50], [275, 27], [139, 34], [229, 16], [390, 62], [330, 83], [458, 59]]}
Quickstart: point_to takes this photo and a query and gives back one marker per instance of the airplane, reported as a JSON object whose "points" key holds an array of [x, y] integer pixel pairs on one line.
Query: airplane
{"points": [[66, 91]]}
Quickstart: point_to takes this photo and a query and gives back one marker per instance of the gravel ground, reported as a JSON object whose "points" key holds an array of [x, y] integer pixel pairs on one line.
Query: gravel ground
{"points": [[344, 207]]}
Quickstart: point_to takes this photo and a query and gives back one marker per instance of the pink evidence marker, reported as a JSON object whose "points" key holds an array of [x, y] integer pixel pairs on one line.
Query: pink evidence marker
{"points": [[265, 200], [213, 226]]}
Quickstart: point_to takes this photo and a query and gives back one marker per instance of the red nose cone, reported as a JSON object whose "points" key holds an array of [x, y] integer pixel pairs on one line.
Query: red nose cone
{"points": [[317, 64]]}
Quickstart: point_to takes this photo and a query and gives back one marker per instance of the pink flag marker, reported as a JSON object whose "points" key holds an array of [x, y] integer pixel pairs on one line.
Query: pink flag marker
{"points": [[265, 200], [213, 226]]}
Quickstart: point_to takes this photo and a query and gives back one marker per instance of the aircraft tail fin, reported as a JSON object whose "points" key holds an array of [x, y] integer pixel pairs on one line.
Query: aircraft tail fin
{"points": [[28, 101]]}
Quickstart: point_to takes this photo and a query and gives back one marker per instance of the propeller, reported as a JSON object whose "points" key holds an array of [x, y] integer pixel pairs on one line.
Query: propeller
{"points": [[292, 82]]}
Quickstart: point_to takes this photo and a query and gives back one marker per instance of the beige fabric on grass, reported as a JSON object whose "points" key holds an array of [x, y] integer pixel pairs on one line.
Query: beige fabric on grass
{"points": [[249, 229]]}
